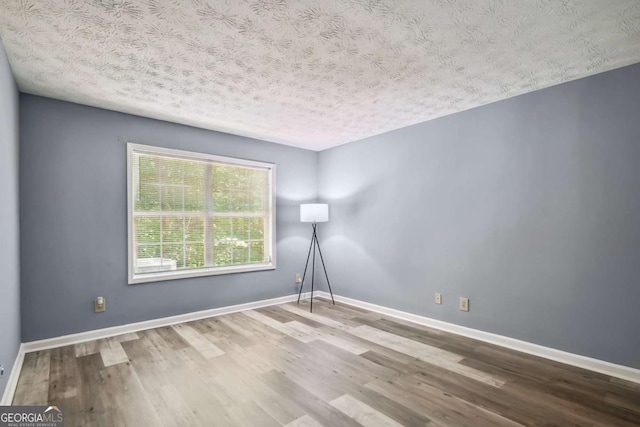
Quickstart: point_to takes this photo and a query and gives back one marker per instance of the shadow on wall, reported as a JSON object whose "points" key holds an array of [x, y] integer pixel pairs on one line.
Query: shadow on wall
{"points": [[349, 263]]}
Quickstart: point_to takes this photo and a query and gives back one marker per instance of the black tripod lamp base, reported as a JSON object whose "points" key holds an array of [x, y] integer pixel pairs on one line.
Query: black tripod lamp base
{"points": [[313, 247]]}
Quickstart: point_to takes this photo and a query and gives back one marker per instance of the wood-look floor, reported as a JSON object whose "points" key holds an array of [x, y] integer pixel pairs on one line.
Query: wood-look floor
{"points": [[340, 366]]}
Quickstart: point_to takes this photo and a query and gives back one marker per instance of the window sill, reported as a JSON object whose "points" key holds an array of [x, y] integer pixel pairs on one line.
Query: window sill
{"points": [[173, 275]]}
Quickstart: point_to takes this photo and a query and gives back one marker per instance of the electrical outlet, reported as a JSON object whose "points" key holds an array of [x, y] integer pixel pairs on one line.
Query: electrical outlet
{"points": [[298, 278], [464, 304], [100, 304], [438, 298]]}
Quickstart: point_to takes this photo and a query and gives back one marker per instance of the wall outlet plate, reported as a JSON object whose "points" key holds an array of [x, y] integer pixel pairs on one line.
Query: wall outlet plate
{"points": [[298, 278], [100, 304], [464, 304], [438, 298]]}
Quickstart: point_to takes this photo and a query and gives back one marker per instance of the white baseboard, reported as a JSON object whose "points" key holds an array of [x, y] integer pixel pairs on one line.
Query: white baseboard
{"points": [[596, 365], [12, 381], [150, 324]]}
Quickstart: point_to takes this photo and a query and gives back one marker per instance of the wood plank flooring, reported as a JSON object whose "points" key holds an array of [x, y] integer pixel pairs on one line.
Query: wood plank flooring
{"points": [[338, 366]]}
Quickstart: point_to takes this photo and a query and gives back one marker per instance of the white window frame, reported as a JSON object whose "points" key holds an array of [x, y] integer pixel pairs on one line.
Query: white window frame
{"points": [[207, 271]]}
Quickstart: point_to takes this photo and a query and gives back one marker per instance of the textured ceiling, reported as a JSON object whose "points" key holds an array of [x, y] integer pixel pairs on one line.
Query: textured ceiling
{"points": [[312, 74]]}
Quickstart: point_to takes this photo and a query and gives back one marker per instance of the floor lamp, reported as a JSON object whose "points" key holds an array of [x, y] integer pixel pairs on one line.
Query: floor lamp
{"points": [[314, 213]]}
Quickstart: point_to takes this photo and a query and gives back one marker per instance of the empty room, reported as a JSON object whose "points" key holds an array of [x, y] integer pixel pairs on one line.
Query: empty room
{"points": [[319, 213]]}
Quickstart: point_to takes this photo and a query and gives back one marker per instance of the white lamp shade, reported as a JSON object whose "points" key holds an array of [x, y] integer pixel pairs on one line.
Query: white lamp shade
{"points": [[314, 212]]}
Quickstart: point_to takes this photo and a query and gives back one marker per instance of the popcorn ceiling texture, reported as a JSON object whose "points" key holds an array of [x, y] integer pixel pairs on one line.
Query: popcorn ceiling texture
{"points": [[307, 73]]}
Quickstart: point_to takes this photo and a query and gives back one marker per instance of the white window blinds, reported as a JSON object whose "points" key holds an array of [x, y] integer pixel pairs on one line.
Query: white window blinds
{"points": [[194, 214]]}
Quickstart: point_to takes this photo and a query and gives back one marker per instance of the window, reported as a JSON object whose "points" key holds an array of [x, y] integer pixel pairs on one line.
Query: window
{"points": [[196, 214]]}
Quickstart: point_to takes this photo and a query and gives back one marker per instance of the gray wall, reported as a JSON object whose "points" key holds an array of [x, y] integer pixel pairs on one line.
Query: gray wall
{"points": [[9, 223], [74, 219], [530, 207]]}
